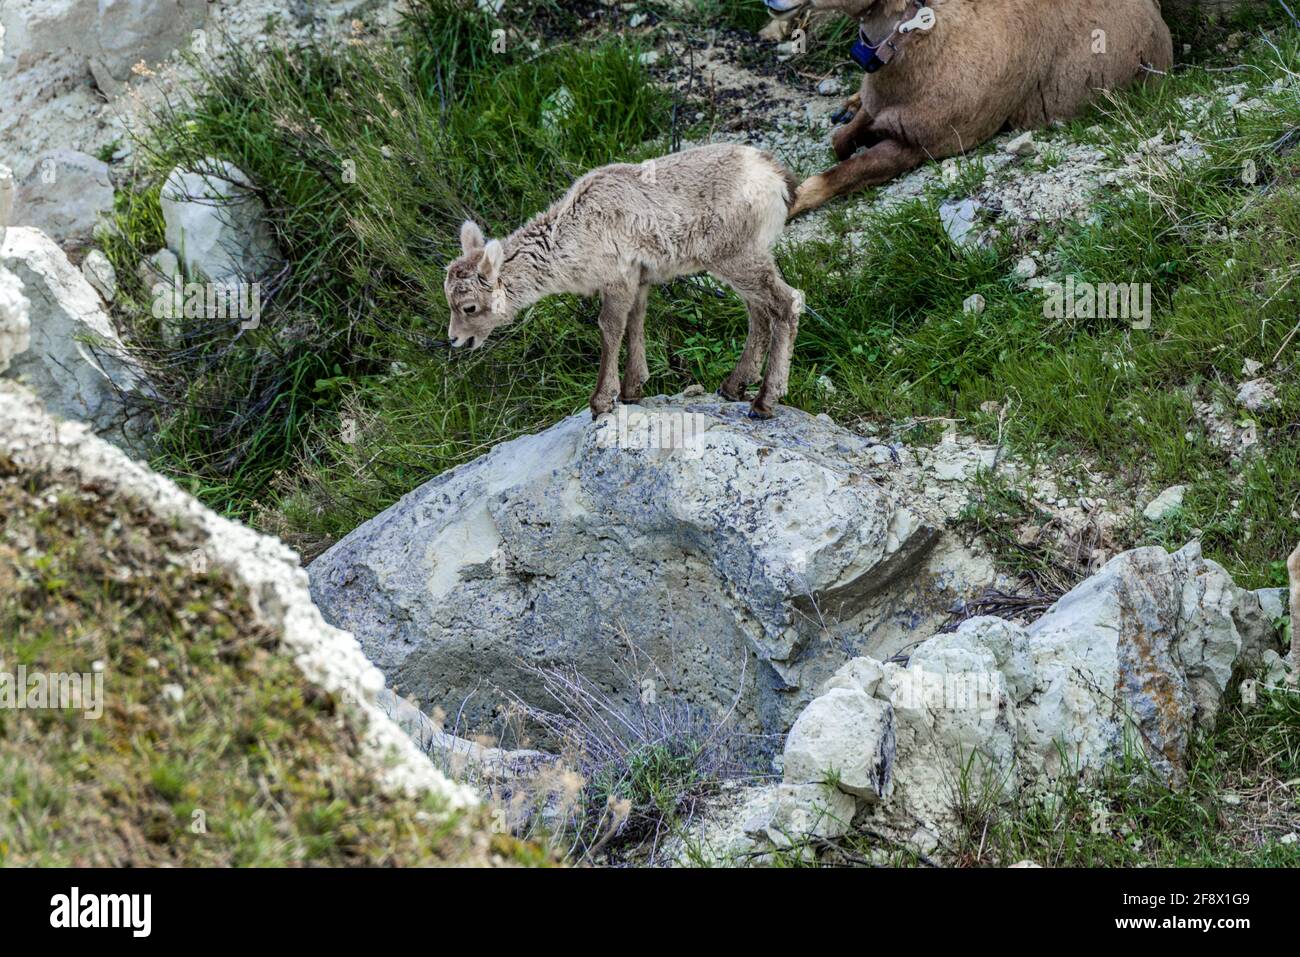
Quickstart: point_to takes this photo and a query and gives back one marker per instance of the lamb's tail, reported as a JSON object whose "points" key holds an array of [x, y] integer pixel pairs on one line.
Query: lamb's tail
{"points": [[791, 181]]}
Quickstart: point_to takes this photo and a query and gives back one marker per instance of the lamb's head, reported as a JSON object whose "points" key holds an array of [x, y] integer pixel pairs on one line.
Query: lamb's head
{"points": [[858, 9], [474, 293]]}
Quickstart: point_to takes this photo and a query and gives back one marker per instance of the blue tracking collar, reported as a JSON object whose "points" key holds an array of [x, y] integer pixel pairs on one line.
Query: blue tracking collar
{"points": [[866, 55]]}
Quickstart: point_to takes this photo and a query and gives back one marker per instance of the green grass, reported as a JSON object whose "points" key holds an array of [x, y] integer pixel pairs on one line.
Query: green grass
{"points": [[1241, 797], [368, 158]]}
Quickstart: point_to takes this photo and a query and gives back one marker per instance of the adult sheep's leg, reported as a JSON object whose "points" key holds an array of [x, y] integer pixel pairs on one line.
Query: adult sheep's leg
{"points": [[636, 373], [750, 280], [787, 304], [856, 132], [615, 304], [875, 165]]}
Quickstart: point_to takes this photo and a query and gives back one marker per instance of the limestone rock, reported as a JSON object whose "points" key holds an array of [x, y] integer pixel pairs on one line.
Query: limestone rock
{"points": [[216, 223], [1135, 656], [66, 195], [1165, 504], [15, 328], [748, 560], [1257, 395], [76, 363], [845, 737], [99, 272], [115, 33]]}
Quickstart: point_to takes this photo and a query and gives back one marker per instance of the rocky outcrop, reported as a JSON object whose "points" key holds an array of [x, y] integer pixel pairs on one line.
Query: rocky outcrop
{"points": [[15, 326], [7, 190], [276, 585], [75, 361], [748, 560], [1129, 663], [67, 38], [67, 195], [216, 224]]}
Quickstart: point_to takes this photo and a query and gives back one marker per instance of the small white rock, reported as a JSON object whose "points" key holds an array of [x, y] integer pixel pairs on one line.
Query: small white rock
{"points": [[1026, 268], [1257, 395], [974, 305], [830, 86], [99, 272], [173, 693], [1165, 504], [1022, 145]]}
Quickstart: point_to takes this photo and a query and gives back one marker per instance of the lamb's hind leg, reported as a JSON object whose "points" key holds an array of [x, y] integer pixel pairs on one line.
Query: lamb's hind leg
{"points": [[786, 305], [636, 373], [615, 305], [748, 279]]}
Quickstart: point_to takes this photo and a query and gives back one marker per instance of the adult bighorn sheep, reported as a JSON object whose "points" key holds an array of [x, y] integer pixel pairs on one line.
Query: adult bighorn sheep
{"points": [[943, 76], [625, 227]]}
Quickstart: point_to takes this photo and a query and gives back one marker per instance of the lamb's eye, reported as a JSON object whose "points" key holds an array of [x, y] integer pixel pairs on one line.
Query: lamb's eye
{"points": [[471, 309]]}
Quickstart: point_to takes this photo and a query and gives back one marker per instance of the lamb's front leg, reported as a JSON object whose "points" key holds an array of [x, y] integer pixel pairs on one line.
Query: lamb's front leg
{"points": [[636, 373], [615, 304]]}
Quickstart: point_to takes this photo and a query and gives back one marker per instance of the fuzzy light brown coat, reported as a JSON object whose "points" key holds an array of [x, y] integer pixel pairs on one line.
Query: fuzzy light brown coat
{"points": [[621, 229]]}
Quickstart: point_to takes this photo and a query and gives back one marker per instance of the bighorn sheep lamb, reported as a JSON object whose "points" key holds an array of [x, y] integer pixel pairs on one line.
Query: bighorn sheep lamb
{"points": [[625, 227], [943, 76]]}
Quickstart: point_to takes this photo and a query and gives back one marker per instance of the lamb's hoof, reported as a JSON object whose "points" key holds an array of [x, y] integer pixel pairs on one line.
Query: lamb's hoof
{"points": [[631, 399], [760, 413], [738, 397], [597, 413], [843, 114]]}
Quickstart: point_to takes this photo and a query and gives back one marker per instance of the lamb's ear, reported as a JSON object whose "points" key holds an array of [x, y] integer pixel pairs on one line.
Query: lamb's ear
{"points": [[471, 237], [489, 267]]}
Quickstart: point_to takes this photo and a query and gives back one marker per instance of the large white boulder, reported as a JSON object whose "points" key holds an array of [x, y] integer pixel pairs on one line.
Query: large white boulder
{"points": [[1136, 656], [66, 195], [747, 561], [75, 361], [216, 223], [845, 737]]}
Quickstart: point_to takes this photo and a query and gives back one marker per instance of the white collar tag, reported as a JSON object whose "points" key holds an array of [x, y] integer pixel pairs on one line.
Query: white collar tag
{"points": [[923, 21]]}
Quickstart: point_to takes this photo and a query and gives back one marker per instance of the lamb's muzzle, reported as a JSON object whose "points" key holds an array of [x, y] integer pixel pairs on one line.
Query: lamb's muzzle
{"points": [[625, 227]]}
